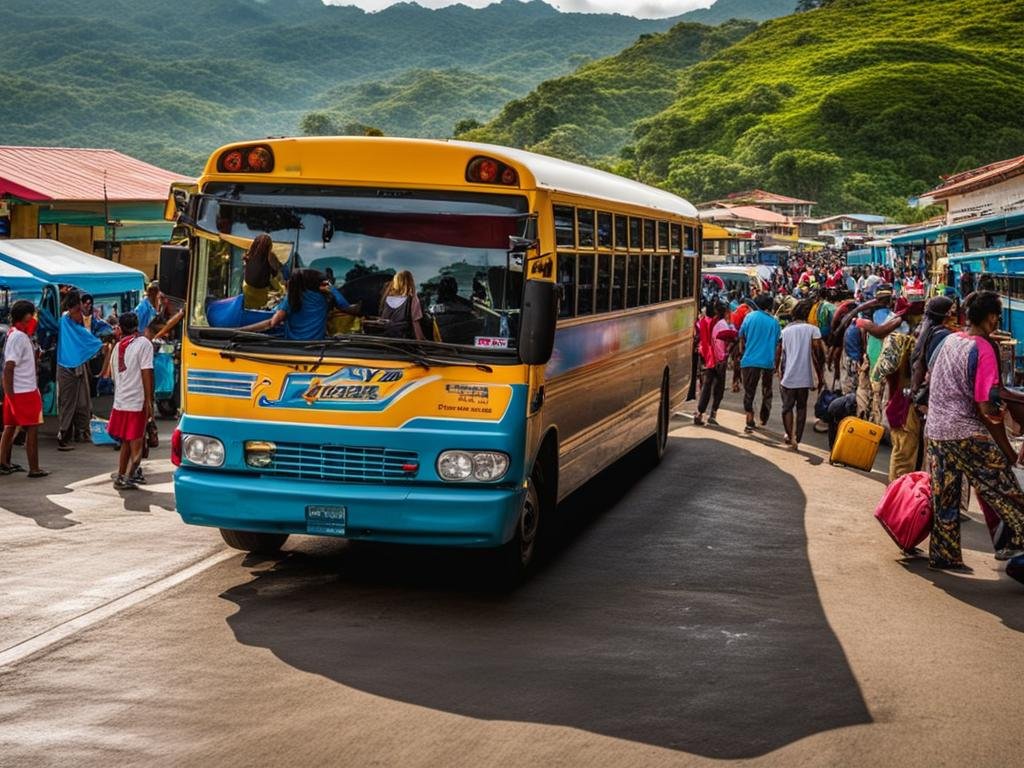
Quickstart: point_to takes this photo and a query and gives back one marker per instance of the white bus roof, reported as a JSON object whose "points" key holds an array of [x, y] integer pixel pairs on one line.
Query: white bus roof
{"points": [[562, 176]]}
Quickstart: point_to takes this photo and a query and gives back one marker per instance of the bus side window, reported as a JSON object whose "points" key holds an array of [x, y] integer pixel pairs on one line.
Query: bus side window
{"points": [[674, 259], [662, 235], [565, 226], [567, 281], [634, 234], [691, 239], [585, 222], [649, 244], [677, 238], [645, 280], [632, 280], [621, 227], [604, 230], [689, 273], [604, 281], [585, 285], [666, 277], [618, 282]]}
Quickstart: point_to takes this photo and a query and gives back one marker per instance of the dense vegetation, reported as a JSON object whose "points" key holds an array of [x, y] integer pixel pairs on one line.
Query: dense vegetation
{"points": [[168, 83], [591, 113], [857, 104]]}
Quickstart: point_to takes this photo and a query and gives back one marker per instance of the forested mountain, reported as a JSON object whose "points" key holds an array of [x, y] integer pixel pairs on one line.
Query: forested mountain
{"points": [[591, 113], [856, 104]]}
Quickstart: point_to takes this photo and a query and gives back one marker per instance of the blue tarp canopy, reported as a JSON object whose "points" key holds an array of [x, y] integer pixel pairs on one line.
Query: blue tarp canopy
{"points": [[984, 223], [55, 262], [21, 284]]}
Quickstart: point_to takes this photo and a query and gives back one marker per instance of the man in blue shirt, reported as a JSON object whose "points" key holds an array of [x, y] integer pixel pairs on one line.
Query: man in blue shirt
{"points": [[149, 306], [304, 310], [759, 338]]}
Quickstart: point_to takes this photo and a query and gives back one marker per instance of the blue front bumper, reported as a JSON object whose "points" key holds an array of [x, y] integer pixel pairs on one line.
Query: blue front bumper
{"points": [[441, 516]]}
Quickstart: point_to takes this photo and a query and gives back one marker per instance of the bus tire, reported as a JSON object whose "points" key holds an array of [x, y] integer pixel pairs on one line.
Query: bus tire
{"points": [[515, 560], [654, 448], [250, 541]]}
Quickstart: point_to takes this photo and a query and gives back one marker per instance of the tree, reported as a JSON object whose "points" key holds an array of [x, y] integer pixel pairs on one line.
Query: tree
{"points": [[700, 176], [318, 124], [465, 126], [805, 172]]}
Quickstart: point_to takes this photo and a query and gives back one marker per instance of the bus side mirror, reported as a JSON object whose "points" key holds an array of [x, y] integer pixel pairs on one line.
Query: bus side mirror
{"points": [[537, 326], [173, 276]]}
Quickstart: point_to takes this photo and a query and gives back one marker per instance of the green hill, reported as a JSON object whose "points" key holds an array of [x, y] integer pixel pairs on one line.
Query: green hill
{"points": [[857, 104], [168, 83], [591, 113]]}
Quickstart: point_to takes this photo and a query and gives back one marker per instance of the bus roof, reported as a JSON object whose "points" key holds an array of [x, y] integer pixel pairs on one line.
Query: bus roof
{"points": [[367, 160], [55, 262], [17, 279]]}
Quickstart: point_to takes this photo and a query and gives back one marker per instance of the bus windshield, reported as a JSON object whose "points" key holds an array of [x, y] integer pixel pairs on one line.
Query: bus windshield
{"points": [[455, 245]]}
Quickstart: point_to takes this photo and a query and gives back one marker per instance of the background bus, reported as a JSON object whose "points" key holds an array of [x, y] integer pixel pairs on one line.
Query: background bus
{"points": [[468, 438]]}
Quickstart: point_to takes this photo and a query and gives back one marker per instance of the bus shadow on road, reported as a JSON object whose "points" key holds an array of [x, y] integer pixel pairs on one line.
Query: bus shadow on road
{"points": [[679, 610]]}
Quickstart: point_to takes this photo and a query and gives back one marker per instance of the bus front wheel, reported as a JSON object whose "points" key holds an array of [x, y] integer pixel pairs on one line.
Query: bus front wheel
{"points": [[515, 559], [250, 541]]}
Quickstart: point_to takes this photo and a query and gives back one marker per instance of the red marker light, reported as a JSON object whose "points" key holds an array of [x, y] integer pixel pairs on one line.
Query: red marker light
{"points": [[410, 468], [260, 160], [232, 161], [176, 447], [509, 177], [488, 171]]}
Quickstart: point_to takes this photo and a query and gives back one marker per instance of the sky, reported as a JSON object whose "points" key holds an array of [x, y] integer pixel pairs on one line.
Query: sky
{"points": [[645, 9]]}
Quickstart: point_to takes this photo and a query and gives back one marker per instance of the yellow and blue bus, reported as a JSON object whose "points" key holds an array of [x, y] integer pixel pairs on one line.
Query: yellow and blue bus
{"points": [[559, 305]]}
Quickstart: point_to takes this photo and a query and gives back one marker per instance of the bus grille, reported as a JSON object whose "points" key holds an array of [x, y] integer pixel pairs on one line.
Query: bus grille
{"points": [[342, 463]]}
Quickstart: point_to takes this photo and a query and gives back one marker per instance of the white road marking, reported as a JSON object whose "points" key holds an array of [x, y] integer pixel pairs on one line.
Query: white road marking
{"points": [[44, 640]]}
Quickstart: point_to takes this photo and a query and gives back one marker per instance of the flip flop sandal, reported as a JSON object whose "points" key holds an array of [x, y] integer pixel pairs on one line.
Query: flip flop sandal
{"points": [[6, 469], [16, 467], [38, 473]]}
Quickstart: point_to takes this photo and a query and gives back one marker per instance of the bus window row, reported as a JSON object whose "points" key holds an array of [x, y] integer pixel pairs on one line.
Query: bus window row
{"points": [[605, 282], [1010, 287], [580, 228]]}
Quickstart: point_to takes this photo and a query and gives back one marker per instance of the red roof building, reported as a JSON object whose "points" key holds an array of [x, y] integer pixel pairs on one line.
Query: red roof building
{"points": [[793, 207], [96, 200], [977, 178], [993, 190]]}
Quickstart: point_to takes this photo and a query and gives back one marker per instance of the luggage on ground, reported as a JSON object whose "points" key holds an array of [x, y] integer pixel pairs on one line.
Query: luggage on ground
{"points": [[857, 443], [905, 510], [98, 430]]}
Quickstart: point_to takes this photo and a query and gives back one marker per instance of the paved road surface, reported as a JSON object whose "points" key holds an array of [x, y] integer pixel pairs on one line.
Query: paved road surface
{"points": [[737, 603]]}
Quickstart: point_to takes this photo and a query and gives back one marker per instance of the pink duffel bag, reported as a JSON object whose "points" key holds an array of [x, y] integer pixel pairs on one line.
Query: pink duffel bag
{"points": [[905, 510]]}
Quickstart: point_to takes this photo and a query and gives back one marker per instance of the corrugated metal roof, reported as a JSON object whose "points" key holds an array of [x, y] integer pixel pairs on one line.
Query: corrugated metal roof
{"points": [[744, 213], [977, 178], [58, 173]]}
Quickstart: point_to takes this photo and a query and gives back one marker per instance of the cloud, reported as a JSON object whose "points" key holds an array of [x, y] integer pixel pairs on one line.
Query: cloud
{"points": [[646, 9]]}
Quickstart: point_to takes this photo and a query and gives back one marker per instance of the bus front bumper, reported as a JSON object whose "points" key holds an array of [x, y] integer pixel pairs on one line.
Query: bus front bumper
{"points": [[409, 514]]}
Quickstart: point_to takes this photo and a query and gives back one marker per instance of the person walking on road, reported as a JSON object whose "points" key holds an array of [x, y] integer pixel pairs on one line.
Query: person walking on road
{"points": [[801, 355], [759, 337], [132, 369], [967, 437], [23, 404], [76, 346], [716, 338]]}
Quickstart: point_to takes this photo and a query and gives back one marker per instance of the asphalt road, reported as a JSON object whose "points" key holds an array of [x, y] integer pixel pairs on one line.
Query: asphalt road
{"points": [[736, 603]]}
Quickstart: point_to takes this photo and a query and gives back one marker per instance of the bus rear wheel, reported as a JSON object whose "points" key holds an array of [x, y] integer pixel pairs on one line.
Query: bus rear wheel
{"points": [[250, 541], [515, 560], [654, 448]]}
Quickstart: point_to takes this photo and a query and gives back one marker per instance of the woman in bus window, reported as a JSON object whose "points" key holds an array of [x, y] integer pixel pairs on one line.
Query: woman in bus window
{"points": [[305, 308], [261, 272], [400, 308]]}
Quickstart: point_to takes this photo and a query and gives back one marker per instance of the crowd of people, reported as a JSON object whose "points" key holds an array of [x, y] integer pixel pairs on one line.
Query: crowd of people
{"points": [[869, 344], [93, 354]]}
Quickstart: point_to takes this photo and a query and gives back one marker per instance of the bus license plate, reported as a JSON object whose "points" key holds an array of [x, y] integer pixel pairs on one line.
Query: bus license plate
{"points": [[326, 521]]}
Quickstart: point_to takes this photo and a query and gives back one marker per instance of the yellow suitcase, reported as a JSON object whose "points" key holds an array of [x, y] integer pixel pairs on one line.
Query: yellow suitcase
{"points": [[857, 443]]}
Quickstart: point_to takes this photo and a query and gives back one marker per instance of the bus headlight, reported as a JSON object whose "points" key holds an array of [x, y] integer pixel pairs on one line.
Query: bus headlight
{"points": [[482, 466], [202, 450]]}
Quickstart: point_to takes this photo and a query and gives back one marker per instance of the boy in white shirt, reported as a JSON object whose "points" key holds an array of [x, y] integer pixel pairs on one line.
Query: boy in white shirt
{"points": [[23, 405], [131, 367]]}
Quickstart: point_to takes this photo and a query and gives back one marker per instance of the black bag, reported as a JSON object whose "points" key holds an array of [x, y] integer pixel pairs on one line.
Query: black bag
{"points": [[824, 401], [152, 434]]}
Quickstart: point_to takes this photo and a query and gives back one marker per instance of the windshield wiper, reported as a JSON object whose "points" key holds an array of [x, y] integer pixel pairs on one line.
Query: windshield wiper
{"points": [[410, 349]]}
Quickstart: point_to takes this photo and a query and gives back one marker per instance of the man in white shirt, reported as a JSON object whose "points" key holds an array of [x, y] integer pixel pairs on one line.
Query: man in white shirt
{"points": [[131, 368], [801, 354], [23, 405]]}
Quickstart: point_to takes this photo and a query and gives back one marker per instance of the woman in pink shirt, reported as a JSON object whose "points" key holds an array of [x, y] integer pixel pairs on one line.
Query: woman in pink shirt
{"points": [[966, 437], [716, 337]]}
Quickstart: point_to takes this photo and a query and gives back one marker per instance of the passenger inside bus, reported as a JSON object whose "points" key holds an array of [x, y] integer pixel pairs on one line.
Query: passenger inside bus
{"points": [[303, 312]]}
